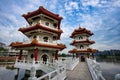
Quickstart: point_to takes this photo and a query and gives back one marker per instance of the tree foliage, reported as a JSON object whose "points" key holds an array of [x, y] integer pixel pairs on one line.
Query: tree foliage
{"points": [[2, 49]]}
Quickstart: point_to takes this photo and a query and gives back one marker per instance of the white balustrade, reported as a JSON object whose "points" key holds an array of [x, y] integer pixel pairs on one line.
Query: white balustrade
{"points": [[117, 77], [60, 69], [54, 71], [25, 64], [95, 69], [58, 74], [70, 64]]}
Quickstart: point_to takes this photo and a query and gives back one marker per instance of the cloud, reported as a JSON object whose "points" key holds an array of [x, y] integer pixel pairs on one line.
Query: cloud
{"points": [[11, 34], [99, 16], [9, 18], [102, 47], [67, 31], [71, 5], [17, 9], [90, 2], [116, 3], [91, 23]]}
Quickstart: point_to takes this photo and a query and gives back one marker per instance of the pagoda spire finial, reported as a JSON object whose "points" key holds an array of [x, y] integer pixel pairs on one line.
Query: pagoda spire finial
{"points": [[79, 26]]}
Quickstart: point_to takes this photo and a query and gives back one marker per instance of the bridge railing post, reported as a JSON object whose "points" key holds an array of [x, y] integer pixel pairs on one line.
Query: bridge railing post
{"points": [[117, 77], [32, 74], [95, 69]]}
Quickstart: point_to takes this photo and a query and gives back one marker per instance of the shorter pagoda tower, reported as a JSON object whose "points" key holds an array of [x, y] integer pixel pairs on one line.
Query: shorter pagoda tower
{"points": [[43, 32], [82, 43]]}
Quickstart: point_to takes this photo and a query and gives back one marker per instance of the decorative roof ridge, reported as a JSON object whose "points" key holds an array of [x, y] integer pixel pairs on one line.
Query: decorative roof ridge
{"points": [[41, 9], [37, 25], [36, 43], [87, 50], [57, 15], [80, 30], [79, 41]]}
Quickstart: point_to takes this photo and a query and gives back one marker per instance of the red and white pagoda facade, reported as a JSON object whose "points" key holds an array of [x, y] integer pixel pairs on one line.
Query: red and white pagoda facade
{"points": [[82, 43], [43, 32]]}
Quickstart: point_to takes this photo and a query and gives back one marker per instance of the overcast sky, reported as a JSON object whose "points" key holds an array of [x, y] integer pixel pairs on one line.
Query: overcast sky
{"points": [[102, 17]]}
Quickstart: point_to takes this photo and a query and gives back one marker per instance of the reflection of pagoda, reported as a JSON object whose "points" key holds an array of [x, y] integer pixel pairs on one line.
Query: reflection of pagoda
{"points": [[43, 33], [82, 42]]}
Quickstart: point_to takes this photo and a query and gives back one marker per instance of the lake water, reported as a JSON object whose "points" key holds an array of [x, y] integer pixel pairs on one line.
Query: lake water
{"points": [[109, 69], [7, 74]]}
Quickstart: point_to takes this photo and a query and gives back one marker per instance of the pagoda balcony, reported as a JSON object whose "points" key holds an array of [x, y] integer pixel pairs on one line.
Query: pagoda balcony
{"points": [[42, 24], [52, 42], [24, 64], [27, 64], [83, 39], [81, 49]]}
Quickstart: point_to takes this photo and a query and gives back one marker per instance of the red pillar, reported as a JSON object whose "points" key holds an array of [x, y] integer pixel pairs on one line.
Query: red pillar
{"points": [[20, 55], [56, 55], [36, 54], [73, 55], [88, 55], [76, 55]]}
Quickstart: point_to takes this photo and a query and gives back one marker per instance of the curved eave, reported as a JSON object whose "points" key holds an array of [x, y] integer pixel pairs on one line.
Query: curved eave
{"points": [[35, 43], [43, 11], [76, 33], [81, 31], [86, 41], [38, 26], [83, 51]]}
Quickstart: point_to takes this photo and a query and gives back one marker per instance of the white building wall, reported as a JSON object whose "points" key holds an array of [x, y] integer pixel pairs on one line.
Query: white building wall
{"points": [[40, 54], [85, 46], [41, 36], [83, 37], [43, 21]]}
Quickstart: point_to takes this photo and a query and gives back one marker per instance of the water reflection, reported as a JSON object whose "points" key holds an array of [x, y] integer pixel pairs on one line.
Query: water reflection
{"points": [[16, 74], [12, 74], [109, 67], [7, 74]]}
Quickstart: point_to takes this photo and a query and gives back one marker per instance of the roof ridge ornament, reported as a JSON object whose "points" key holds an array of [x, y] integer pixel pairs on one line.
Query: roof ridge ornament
{"points": [[79, 26]]}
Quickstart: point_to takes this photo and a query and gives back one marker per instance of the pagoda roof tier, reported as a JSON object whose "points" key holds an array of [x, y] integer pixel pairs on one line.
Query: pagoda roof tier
{"points": [[89, 50], [81, 31], [82, 41], [41, 10], [38, 26], [35, 43]]}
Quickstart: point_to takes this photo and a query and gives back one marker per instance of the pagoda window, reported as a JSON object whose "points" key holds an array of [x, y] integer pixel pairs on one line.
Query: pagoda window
{"points": [[36, 18], [32, 56], [42, 21], [31, 23], [81, 47], [34, 36], [76, 46], [47, 23], [45, 51], [45, 39], [54, 37], [55, 25], [46, 18], [80, 37]]}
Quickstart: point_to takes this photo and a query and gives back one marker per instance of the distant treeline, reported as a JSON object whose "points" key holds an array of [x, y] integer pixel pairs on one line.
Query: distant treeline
{"points": [[64, 55], [109, 54], [3, 49]]}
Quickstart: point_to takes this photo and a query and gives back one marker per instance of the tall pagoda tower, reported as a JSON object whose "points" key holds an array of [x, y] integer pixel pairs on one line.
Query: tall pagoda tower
{"points": [[43, 32], [82, 43]]}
